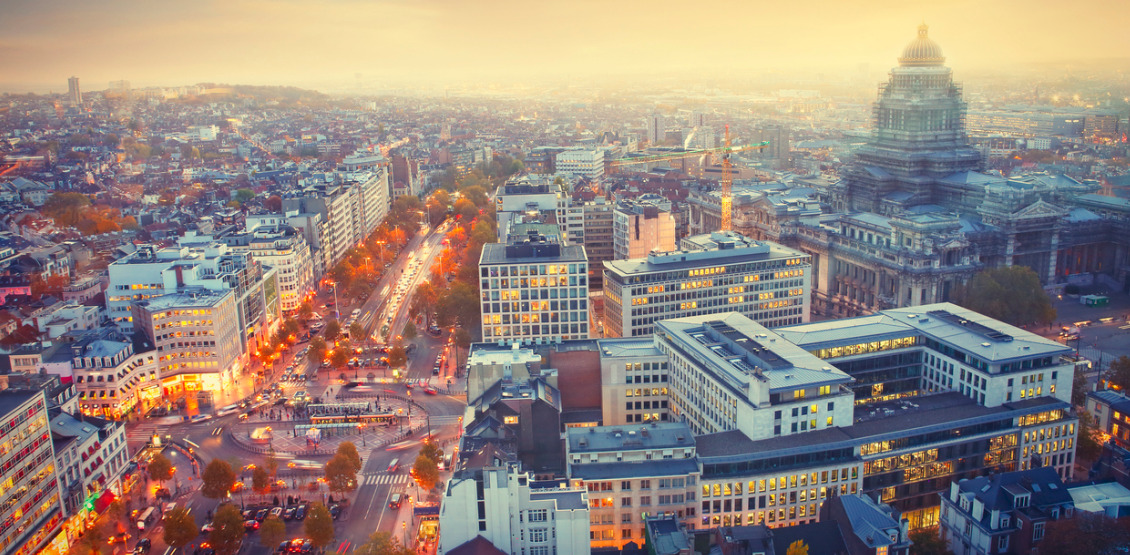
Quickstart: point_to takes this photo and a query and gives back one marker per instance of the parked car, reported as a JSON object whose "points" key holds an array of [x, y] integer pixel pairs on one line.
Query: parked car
{"points": [[250, 525], [261, 515], [300, 514], [335, 510], [276, 512], [288, 514]]}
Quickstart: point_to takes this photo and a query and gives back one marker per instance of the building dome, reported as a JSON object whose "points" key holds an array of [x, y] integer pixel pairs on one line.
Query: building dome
{"points": [[922, 51]]}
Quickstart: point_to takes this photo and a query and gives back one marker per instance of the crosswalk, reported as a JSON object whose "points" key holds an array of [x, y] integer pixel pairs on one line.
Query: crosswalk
{"points": [[384, 478]]}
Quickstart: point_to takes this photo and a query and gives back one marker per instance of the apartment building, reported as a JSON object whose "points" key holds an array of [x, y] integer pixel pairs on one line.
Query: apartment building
{"points": [[283, 248], [90, 457], [112, 380], [491, 498], [712, 274], [31, 510], [630, 473]]}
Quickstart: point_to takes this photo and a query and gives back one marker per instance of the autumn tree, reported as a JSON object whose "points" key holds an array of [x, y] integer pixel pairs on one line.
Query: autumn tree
{"points": [[1118, 374], [798, 547], [319, 526], [1012, 294], [340, 474], [160, 469], [227, 530], [317, 350], [410, 331], [1085, 533], [356, 332], [92, 541], [382, 543], [272, 532], [272, 463], [273, 204], [65, 208], [348, 450], [432, 451], [333, 329], [218, 479], [425, 471], [397, 355], [180, 527], [260, 481], [926, 541]]}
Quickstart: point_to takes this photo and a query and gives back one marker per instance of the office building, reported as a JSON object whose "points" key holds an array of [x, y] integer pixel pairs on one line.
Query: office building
{"points": [[533, 290], [491, 498], [597, 226], [633, 382], [586, 163], [31, 511], [1004, 513], [529, 198], [656, 135], [630, 472], [197, 262], [74, 92], [639, 228], [197, 338], [715, 273], [274, 243]]}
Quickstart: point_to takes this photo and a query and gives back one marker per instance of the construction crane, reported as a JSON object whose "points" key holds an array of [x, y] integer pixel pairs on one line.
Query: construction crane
{"points": [[726, 181]]}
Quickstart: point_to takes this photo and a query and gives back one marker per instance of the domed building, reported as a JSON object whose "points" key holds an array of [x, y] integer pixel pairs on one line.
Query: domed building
{"points": [[917, 136]]}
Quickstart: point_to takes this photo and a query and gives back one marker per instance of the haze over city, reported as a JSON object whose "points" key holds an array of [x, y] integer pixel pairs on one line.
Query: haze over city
{"points": [[346, 44]]}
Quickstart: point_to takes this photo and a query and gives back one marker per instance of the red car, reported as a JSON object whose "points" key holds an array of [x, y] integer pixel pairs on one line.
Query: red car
{"points": [[430, 390]]}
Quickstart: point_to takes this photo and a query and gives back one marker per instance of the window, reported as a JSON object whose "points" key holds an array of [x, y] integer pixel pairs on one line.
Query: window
{"points": [[1002, 544], [1037, 531], [537, 515], [538, 535]]}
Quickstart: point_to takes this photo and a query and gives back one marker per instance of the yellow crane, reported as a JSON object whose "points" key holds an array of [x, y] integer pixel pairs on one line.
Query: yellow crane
{"points": [[726, 181]]}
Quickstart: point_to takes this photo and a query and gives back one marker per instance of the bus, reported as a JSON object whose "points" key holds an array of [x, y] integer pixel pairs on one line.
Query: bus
{"points": [[299, 464], [224, 411], [145, 518], [393, 465]]}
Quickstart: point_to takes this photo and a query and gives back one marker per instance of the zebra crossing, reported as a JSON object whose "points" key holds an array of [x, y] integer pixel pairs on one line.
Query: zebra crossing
{"points": [[384, 478]]}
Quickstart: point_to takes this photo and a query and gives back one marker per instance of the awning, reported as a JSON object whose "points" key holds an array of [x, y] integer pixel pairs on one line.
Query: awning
{"points": [[104, 501]]}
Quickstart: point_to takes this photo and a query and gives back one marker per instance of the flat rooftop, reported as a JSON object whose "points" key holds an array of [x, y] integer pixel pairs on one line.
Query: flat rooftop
{"points": [[634, 469], [708, 249], [628, 347], [495, 253], [11, 399], [979, 335], [736, 350], [662, 435], [877, 422], [204, 298]]}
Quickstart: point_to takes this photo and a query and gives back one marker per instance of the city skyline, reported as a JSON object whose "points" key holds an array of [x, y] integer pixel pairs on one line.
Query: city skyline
{"points": [[359, 45]]}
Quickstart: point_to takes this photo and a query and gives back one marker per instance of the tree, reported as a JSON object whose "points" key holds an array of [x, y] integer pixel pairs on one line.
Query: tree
{"points": [[273, 204], [260, 480], [1085, 533], [1088, 447], [180, 527], [92, 541], [160, 469], [244, 195], [1012, 294], [305, 311], [340, 474], [319, 526], [218, 479], [116, 513], [1079, 387], [432, 451], [333, 329], [425, 471], [66, 208], [397, 356], [356, 332], [348, 450], [317, 350], [1118, 374], [382, 543], [797, 548], [272, 532], [291, 326], [410, 331], [927, 542], [272, 463], [340, 358], [227, 530]]}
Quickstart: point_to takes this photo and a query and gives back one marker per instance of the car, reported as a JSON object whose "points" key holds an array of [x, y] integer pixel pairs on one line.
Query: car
{"points": [[162, 493], [251, 525], [283, 546], [288, 514], [276, 512], [248, 514], [431, 390], [300, 514], [335, 511], [200, 418], [208, 527], [119, 538], [143, 546], [261, 515]]}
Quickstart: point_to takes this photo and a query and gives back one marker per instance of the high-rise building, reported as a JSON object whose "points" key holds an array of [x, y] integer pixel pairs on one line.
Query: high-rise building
{"points": [[32, 512], [715, 273], [598, 238], [534, 290], [639, 228], [656, 135], [74, 91], [587, 163]]}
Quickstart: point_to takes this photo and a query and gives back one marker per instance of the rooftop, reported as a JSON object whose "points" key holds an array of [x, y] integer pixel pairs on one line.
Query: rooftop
{"points": [[633, 469], [11, 399], [195, 298], [663, 435], [714, 248]]}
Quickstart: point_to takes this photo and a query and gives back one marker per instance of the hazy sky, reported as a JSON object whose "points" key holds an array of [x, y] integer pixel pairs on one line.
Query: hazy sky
{"points": [[174, 42]]}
